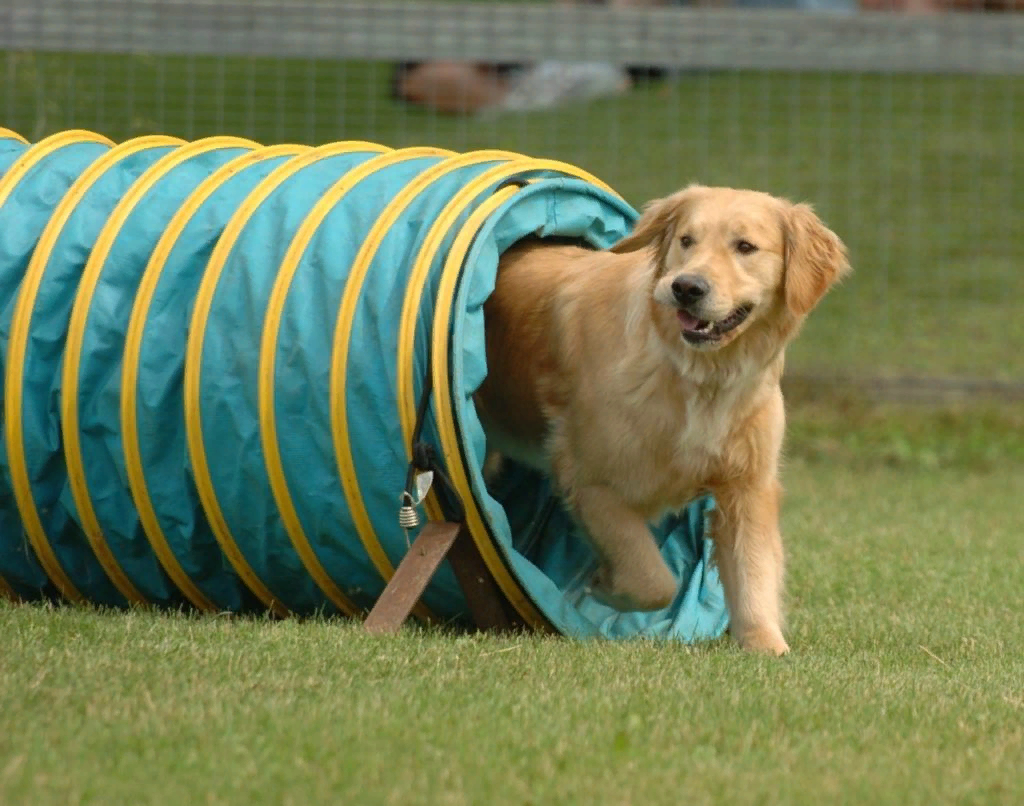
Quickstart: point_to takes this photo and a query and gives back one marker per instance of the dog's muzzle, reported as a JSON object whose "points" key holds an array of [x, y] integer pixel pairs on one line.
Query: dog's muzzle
{"points": [[701, 331]]}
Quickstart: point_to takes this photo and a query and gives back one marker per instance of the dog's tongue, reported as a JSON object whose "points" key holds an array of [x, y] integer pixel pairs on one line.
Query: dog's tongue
{"points": [[690, 322]]}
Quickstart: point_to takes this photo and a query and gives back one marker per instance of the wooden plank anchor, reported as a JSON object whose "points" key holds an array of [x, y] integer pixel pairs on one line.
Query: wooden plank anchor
{"points": [[437, 540]]}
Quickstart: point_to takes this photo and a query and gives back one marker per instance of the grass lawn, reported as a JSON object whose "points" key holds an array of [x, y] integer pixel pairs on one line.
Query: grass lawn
{"points": [[904, 685], [920, 175]]}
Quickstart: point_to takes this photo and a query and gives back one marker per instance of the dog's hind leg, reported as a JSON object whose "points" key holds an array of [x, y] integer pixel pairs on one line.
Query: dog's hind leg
{"points": [[632, 574], [494, 463]]}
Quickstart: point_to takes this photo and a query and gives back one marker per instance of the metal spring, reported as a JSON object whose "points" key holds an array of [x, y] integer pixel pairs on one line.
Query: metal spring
{"points": [[408, 517]]}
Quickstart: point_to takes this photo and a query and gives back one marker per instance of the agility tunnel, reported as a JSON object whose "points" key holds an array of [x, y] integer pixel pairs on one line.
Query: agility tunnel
{"points": [[223, 363]]}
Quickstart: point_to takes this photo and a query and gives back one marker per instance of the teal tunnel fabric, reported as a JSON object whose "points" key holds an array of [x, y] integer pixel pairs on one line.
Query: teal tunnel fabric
{"points": [[213, 354]]}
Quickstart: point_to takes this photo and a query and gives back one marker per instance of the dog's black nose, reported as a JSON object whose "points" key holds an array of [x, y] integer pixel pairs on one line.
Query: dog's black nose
{"points": [[689, 288]]}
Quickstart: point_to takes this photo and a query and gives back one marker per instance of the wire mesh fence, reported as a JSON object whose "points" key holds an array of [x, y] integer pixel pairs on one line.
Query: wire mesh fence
{"points": [[900, 128]]}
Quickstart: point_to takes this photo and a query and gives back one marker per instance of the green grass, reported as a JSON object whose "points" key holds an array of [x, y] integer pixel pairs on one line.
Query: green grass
{"points": [[920, 175], [903, 687], [830, 431]]}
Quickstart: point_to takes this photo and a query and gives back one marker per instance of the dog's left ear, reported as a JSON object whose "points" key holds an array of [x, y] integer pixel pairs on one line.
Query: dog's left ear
{"points": [[815, 259], [656, 225]]}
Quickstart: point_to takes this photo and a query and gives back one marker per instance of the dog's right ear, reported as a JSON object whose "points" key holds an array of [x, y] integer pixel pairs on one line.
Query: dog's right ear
{"points": [[656, 225]]}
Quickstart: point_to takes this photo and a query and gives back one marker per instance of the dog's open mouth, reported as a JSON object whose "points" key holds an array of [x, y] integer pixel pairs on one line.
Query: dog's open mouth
{"points": [[700, 331]]}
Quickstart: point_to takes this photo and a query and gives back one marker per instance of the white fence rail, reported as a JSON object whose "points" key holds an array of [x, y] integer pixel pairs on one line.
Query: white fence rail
{"points": [[669, 37]]}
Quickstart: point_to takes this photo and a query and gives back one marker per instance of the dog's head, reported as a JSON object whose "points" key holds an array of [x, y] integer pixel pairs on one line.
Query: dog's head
{"points": [[726, 259]]}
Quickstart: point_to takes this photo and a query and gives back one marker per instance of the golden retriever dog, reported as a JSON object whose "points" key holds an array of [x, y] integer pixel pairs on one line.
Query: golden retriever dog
{"points": [[643, 376]]}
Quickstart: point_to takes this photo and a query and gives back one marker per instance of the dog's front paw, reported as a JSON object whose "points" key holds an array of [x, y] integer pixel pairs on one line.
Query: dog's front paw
{"points": [[653, 592], [762, 639]]}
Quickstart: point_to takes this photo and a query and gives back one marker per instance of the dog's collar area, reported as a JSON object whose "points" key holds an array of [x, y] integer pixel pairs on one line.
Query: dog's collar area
{"points": [[699, 331]]}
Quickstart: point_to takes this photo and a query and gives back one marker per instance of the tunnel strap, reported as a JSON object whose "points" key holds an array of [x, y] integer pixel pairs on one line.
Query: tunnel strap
{"points": [[358, 271], [511, 175], [451, 444], [419, 275], [423, 457], [17, 347], [194, 357], [267, 373], [131, 444]]}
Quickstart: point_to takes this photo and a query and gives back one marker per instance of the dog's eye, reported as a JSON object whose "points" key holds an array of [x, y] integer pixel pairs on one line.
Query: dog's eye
{"points": [[686, 242], [745, 247]]}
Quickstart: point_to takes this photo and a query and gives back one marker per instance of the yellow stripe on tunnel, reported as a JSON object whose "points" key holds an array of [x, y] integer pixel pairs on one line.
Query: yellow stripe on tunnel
{"points": [[76, 339], [194, 355], [448, 432], [450, 446], [132, 355], [268, 426], [411, 301], [10, 134], [23, 164], [418, 278], [17, 346]]}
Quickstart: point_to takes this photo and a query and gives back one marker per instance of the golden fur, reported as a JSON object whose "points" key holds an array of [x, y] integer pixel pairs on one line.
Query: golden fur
{"points": [[592, 380]]}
